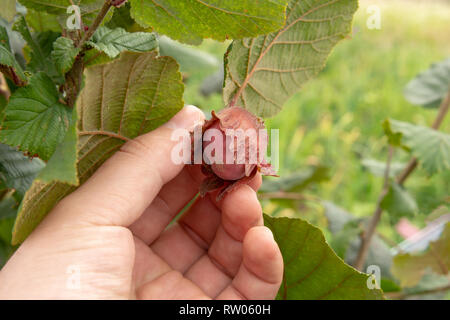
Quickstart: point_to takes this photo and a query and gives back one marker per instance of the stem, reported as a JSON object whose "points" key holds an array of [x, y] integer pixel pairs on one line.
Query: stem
{"points": [[74, 76], [412, 165], [9, 73], [401, 295], [101, 15], [368, 234], [443, 110]]}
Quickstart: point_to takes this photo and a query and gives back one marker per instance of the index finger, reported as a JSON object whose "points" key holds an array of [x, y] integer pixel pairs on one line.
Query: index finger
{"points": [[120, 190]]}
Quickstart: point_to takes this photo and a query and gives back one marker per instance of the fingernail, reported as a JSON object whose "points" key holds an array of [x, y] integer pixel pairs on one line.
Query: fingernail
{"points": [[269, 232], [187, 118]]}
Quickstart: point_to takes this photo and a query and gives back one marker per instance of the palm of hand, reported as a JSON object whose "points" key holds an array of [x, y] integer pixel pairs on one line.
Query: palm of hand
{"points": [[215, 250]]}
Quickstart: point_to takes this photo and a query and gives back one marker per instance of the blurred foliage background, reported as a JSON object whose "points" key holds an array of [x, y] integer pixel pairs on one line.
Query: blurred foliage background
{"points": [[335, 120]]}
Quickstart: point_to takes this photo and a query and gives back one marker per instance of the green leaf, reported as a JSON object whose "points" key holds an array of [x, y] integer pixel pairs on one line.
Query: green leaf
{"points": [[399, 202], [377, 168], [438, 212], [429, 281], [121, 18], [7, 57], [379, 252], [263, 73], [35, 121], [312, 270], [56, 12], [62, 166], [40, 48], [113, 42], [336, 216], [429, 146], [56, 6], [8, 210], [8, 10], [3, 103], [120, 100], [430, 87], [297, 181], [94, 56], [342, 239], [190, 21], [410, 268], [41, 21], [388, 285], [17, 171], [64, 54], [190, 59]]}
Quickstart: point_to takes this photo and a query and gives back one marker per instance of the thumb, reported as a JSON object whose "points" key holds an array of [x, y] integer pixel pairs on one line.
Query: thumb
{"points": [[120, 190]]}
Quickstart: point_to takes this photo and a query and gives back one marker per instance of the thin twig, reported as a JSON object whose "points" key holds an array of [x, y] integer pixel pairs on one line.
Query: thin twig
{"points": [[368, 234], [410, 167], [402, 295], [74, 76], [101, 15], [10, 73]]}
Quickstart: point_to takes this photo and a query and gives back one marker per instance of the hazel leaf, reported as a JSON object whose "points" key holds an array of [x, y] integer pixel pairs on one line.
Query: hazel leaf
{"points": [[262, 73], [114, 41], [312, 271], [64, 54], [35, 121], [119, 101], [190, 21]]}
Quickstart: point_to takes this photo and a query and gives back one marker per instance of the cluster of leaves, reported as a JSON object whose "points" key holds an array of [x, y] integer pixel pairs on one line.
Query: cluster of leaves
{"points": [[429, 147], [82, 93], [16, 175]]}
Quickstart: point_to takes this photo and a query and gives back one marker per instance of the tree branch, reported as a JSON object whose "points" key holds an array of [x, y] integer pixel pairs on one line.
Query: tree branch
{"points": [[402, 295], [101, 15], [74, 76], [368, 234]]}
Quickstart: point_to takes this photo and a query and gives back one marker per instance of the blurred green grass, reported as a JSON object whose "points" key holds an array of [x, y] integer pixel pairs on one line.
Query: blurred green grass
{"points": [[336, 118]]}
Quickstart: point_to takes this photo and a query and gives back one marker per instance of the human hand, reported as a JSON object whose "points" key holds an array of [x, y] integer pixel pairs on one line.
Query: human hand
{"points": [[112, 232]]}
